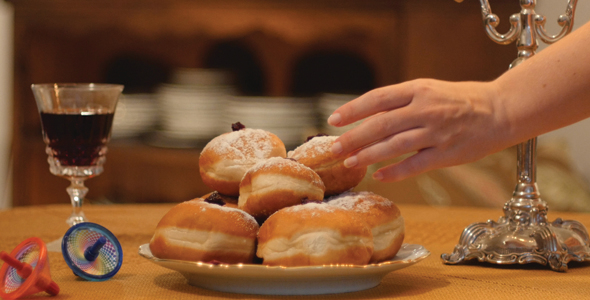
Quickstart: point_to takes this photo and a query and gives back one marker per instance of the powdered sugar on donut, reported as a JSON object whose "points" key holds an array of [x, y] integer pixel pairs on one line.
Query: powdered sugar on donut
{"points": [[248, 145], [310, 207], [205, 206], [284, 163], [313, 147], [360, 201]]}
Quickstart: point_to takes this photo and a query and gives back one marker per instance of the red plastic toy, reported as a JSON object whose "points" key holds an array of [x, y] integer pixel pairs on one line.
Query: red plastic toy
{"points": [[26, 271]]}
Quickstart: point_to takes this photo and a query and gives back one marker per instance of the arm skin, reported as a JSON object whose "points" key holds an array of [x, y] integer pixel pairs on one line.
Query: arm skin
{"points": [[451, 123]]}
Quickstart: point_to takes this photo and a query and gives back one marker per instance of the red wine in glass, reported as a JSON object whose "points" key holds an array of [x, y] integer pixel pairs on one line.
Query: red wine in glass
{"points": [[77, 139]]}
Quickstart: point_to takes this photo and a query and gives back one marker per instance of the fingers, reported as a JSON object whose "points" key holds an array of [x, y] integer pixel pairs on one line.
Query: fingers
{"points": [[375, 129], [421, 162], [390, 147], [372, 102]]}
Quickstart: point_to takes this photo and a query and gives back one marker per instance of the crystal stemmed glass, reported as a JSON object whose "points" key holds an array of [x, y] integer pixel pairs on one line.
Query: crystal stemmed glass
{"points": [[76, 120]]}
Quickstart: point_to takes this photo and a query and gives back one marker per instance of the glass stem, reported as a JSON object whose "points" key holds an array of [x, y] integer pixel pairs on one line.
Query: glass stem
{"points": [[77, 192]]}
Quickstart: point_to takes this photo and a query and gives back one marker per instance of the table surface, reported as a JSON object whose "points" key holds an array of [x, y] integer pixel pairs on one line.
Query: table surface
{"points": [[436, 228]]}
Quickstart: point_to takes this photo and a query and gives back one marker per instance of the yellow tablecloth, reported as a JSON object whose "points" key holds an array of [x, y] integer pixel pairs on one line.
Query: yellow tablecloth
{"points": [[437, 229]]}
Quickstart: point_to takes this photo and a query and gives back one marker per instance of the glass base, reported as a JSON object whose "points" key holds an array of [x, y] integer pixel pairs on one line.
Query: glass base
{"points": [[76, 217], [55, 245]]}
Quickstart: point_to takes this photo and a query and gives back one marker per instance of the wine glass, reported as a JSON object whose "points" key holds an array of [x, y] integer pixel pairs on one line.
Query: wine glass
{"points": [[76, 120]]}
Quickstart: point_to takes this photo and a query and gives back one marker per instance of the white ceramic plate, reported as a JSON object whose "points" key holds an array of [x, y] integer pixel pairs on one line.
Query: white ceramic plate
{"points": [[259, 279]]}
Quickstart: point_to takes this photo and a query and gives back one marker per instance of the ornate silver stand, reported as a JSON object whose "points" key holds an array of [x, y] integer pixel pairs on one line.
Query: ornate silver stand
{"points": [[523, 234]]}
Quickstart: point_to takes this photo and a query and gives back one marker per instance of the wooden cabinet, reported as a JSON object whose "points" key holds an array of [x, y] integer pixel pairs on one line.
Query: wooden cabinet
{"points": [[82, 41]]}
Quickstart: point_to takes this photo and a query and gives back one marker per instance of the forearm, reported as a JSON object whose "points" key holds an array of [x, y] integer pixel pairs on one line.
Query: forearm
{"points": [[548, 91]]}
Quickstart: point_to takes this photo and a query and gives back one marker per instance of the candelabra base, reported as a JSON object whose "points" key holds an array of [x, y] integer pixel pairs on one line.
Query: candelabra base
{"points": [[504, 242]]}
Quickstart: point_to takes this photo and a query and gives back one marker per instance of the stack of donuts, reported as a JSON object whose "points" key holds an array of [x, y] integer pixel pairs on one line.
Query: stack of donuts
{"points": [[279, 208]]}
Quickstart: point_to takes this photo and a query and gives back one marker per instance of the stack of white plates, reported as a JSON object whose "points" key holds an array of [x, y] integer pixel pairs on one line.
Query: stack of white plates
{"points": [[192, 111], [135, 115], [193, 103], [290, 118], [197, 76], [328, 103]]}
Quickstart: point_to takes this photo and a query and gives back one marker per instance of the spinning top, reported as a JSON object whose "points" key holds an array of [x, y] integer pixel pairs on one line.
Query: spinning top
{"points": [[26, 271], [91, 251]]}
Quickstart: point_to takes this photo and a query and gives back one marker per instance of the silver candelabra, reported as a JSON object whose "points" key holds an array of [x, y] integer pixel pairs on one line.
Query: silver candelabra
{"points": [[523, 235]]}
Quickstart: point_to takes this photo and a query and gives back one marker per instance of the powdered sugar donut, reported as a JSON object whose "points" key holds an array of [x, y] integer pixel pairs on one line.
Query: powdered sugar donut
{"points": [[200, 231], [314, 234], [277, 183], [226, 158], [383, 217], [316, 153]]}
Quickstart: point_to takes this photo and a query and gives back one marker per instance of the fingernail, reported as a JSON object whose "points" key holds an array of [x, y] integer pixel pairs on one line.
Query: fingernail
{"points": [[334, 119], [351, 162], [337, 148], [377, 175]]}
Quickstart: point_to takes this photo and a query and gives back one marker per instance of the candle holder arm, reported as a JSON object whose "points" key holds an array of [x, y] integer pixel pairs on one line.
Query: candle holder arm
{"points": [[566, 21], [491, 21]]}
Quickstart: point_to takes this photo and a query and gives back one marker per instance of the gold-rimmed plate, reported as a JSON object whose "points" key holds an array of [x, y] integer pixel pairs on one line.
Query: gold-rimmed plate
{"points": [[266, 280]]}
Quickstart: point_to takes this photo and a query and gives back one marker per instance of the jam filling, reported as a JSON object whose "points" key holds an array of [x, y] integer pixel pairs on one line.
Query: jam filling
{"points": [[215, 198], [237, 126]]}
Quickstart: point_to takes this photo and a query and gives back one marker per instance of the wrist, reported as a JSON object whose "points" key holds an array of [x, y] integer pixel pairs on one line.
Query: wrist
{"points": [[506, 124]]}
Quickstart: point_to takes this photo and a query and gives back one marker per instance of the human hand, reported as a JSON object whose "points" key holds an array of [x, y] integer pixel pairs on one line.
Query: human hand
{"points": [[445, 123]]}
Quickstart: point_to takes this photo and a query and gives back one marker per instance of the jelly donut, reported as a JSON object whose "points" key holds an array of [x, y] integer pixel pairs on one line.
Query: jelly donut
{"points": [[382, 216], [200, 231], [277, 183], [316, 153], [226, 158], [314, 234]]}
